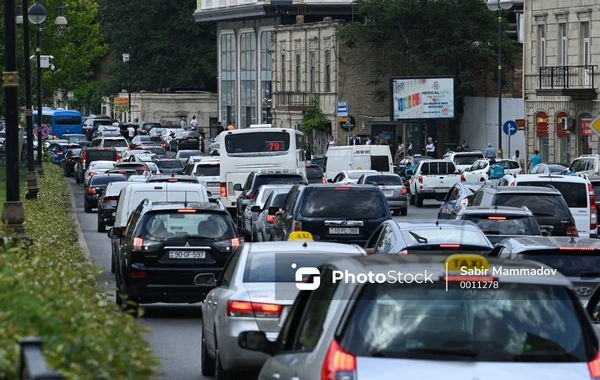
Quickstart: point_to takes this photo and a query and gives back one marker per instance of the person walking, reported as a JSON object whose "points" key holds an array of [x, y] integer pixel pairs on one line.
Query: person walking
{"points": [[183, 124], [536, 159], [409, 149], [430, 147], [520, 160], [399, 152], [220, 128], [194, 124], [331, 142], [130, 131], [489, 152], [463, 147], [354, 140]]}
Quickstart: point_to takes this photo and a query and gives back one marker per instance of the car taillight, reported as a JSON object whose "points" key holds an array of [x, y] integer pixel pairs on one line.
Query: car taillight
{"points": [[249, 196], [91, 191], [513, 184], [296, 225], [593, 210], [92, 174], [252, 309], [594, 367], [138, 243], [462, 178], [420, 179], [572, 231], [138, 274], [404, 191], [109, 201], [338, 364], [235, 242], [270, 219], [223, 190]]}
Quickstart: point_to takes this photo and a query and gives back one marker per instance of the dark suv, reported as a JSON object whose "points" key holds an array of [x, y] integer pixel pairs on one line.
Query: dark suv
{"points": [[314, 174], [95, 188], [546, 203], [166, 245], [332, 213], [89, 155], [263, 177]]}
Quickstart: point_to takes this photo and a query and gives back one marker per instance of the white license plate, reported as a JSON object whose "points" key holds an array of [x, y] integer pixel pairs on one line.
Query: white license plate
{"points": [[187, 255], [388, 192], [213, 184], [343, 231], [441, 190]]}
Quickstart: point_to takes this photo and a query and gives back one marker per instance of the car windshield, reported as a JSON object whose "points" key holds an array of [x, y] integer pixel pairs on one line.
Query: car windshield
{"points": [[170, 164], [550, 205], [517, 322], [504, 225], [444, 235], [575, 194], [314, 172], [467, 159], [277, 179], [208, 170], [202, 225], [276, 267], [355, 175], [389, 180], [557, 169], [106, 179], [279, 200], [157, 150], [345, 204], [188, 153], [571, 263], [76, 138], [120, 143]]}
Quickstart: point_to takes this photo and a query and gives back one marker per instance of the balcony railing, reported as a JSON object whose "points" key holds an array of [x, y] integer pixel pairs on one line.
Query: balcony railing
{"points": [[294, 99], [574, 81]]}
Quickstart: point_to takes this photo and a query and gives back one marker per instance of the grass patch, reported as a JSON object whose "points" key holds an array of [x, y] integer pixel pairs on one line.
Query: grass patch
{"points": [[49, 291]]}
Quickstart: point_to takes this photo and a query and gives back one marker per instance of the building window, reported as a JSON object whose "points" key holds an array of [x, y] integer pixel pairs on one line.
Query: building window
{"points": [[266, 73], [248, 78], [542, 45], [228, 78], [298, 73], [283, 72], [327, 71], [313, 84], [585, 43], [563, 47]]}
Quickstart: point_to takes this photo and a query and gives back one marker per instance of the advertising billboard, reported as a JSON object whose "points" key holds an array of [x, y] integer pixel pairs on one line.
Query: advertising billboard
{"points": [[422, 98]]}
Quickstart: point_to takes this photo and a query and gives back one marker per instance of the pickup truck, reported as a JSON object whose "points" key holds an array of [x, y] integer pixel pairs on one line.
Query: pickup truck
{"points": [[431, 179]]}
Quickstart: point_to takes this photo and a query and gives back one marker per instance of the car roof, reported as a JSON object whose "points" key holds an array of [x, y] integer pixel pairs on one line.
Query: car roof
{"points": [[103, 162], [472, 152], [360, 171], [523, 189], [278, 171], [531, 243], [552, 178], [303, 246], [105, 175], [170, 206], [276, 186], [428, 223], [174, 176], [505, 210], [434, 264]]}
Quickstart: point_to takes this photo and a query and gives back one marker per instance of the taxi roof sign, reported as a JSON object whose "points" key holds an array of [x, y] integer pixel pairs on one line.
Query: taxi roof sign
{"points": [[301, 235], [458, 262]]}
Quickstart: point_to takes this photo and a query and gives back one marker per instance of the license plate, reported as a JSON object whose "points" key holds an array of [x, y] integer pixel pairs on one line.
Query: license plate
{"points": [[388, 192], [343, 231], [441, 190], [187, 255], [213, 184]]}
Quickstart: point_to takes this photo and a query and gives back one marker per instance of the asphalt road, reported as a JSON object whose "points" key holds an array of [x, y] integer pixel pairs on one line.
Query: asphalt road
{"points": [[175, 330]]}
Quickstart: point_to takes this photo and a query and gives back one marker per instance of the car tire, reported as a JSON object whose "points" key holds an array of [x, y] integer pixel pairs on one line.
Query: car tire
{"points": [[77, 178], [207, 364], [411, 200], [86, 207], [220, 373], [113, 264], [418, 200], [101, 226], [403, 211]]}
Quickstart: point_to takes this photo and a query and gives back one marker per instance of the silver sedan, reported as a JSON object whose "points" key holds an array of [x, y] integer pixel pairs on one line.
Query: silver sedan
{"points": [[255, 292], [264, 221], [392, 187]]}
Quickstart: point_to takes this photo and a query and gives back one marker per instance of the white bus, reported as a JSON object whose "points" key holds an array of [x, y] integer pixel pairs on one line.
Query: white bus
{"points": [[244, 151]]}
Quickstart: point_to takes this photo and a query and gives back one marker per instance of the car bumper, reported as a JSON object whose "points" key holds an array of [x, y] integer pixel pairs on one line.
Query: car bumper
{"points": [[92, 200], [397, 202], [233, 357], [107, 216]]}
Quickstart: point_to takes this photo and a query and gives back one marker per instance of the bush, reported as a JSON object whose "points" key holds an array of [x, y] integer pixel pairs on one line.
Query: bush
{"points": [[50, 291]]}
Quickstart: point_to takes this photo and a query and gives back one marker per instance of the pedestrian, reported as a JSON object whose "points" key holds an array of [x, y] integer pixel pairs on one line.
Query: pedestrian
{"points": [[430, 147], [368, 140], [536, 159], [489, 152], [463, 147], [220, 128], [520, 160], [331, 142], [400, 151], [230, 126], [354, 140], [183, 124], [409, 150], [194, 124], [130, 131]]}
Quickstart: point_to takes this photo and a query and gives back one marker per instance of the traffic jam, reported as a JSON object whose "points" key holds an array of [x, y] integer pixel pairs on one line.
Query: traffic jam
{"points": [[312, 269]]}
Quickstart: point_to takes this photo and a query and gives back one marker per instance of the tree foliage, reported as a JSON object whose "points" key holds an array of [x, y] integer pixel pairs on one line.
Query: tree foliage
{"points": [[168, 48], [429, 37], [314, 119]]}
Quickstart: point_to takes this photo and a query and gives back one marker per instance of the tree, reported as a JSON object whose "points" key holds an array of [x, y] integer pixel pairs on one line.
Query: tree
{"points": [[168, 48], [429, 37], [314, 119]]}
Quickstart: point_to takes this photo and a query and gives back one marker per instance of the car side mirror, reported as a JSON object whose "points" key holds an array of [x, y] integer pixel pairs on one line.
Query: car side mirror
{"points": [[273, 210], [330, 181], [205, 279], [255, 209], [238, 187], [115, 233], [256, 341], [410, 172], [209, 194]]}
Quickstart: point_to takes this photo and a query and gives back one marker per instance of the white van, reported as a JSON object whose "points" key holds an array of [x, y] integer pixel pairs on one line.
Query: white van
{"points": [[357, 157], [577, 192]]}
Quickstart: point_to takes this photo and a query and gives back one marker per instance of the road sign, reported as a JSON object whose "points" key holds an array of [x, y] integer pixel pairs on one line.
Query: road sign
{"points": [[342, 109], [520, 124], [595, 125], [510, 127], [121, 104], [45, 131]]}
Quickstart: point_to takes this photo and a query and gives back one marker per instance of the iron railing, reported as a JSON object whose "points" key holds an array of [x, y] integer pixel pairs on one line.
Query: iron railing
{"points": [[566, 77], [294, 99], [32, 365]]}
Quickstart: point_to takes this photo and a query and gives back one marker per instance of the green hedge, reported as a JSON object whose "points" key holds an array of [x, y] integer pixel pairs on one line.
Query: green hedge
{"points": [[49, 291]]}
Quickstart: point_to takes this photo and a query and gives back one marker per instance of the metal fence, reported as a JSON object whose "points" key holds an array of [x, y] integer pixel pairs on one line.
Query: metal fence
{"points": [[563, 77], [32, 365]]}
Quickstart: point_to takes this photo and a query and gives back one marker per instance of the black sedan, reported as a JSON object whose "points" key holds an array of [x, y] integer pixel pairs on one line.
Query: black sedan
{"points": [[70, 159], [185, 140], [139, 167], [141, 142], [158, 150], [95, 188], [170, 166], [458, 194], [442, 237]]}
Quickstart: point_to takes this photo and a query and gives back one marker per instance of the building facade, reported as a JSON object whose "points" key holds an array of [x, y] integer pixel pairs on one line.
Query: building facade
{"points": [[561, 77]]}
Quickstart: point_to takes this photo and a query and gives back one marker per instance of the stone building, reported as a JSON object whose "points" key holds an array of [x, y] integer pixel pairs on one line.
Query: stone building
{"points": [[561, 77]]}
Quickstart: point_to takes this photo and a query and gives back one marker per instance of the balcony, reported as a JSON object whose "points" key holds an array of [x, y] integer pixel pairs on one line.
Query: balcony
{"points": [[300, 101], [574, 81]]}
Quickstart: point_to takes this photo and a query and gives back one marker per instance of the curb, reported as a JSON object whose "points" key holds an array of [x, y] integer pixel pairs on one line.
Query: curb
{"points": [[80, 237]]}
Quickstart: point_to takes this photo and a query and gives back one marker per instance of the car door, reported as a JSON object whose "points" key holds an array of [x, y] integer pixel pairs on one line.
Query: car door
{"points": [[374, 238], [277, 227]]}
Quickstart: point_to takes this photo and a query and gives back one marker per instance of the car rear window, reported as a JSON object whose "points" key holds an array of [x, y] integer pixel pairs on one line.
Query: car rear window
{"points": [[441, 235], [504, 225], [466, 159], [208, 170], [575, 194], [119, 143], [102, 165], [101, 155], [389, 180], [104, 180], [279, 200], [130, 166], [174, 164], [188, 153], [157, 150], [344, 204], [438, 167], [540, 205], [314, 172], [202, 225], [571, 263], [260, 180], [144, 138], [276, 267], [514, 323], [596, 187]]}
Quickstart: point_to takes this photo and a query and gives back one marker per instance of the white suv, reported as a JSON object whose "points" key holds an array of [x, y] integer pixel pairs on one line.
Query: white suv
{"points": [[577, 191], [588, 164], [207, 170], [463, 160]]}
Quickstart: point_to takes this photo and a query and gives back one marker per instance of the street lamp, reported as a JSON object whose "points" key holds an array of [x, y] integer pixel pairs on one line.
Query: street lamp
{"points": [[32, 185], [498, 6], [13, 214], [127, 60]]}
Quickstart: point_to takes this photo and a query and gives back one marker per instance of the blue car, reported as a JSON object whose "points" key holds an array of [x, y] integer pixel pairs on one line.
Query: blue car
{"points": [[409, 163], [58, 151]]}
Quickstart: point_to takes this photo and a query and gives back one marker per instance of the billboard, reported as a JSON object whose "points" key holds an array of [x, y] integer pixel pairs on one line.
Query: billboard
{"points": [[422, 98], [121, 105]]}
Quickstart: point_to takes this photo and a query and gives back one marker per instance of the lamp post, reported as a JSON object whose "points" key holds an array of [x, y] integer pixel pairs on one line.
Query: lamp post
{"points": [[13, 214], [32, 185], [498, 6], [127, 60]]}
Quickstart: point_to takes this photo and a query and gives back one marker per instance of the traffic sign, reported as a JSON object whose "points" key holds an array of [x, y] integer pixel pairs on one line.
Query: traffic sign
{"points": [[510, 127], [342, 109], [45, 131], [595, 125]]}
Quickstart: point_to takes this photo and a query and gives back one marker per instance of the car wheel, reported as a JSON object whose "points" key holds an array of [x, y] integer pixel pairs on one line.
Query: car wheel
{"points": [[418, 200], [220, 373], [207, 364], [113, 264], [101, 225], [77, 178], [403, 211], [86, 207], [411, 200]]}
